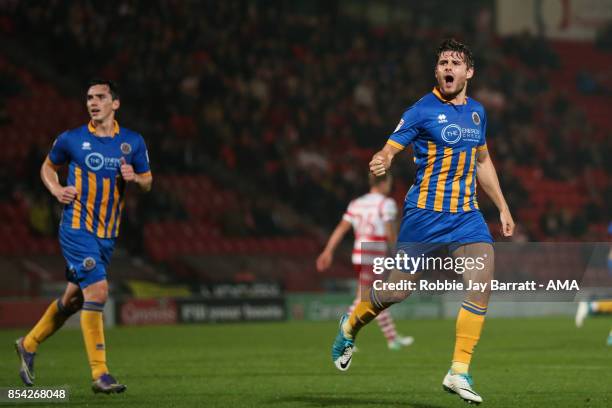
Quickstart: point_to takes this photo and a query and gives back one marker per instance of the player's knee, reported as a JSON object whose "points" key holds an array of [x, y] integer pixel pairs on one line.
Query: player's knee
{"points": [[97, 292], [74, 304], [386, 298]]}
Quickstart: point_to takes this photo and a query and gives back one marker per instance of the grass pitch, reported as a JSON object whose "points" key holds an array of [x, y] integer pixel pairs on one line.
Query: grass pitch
{"points": [[518, 363]]}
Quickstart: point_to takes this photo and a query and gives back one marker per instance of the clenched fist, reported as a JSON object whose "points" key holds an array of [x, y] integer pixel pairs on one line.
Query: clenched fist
{"points": [[127, 171], [66, 195], [378, 165]]}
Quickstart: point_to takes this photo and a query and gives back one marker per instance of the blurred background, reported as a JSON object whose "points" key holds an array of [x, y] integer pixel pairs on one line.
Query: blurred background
{"points": [[260, 118]]}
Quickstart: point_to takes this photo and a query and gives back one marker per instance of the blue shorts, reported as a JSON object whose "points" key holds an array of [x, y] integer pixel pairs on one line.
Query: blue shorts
{"points": [[426, 226], [87, 256], [426, 231]]}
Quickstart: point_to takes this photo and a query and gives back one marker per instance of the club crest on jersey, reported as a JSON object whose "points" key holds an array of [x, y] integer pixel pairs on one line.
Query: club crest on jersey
{"points": [[475, 118], [89, 263], [451, 133], [442, 118], [399, 125], [86, 146], [126, 148]]}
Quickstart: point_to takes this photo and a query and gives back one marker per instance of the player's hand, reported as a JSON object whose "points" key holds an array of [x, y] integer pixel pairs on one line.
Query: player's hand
{"points": [[127, 171], [324, 261], [378, 165], [507, 223], [66, 195]]}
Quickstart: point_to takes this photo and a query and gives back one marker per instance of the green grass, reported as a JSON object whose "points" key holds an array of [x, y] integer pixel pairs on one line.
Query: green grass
{"points": [[519, 363]]}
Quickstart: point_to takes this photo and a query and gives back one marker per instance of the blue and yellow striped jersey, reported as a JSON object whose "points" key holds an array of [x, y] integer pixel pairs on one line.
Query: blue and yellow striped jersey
{"points": [[94, 170], [445, 139]]}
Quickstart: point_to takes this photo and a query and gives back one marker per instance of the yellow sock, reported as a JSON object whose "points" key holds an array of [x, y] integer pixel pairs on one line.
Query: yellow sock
{"points": [[363, 314], [602, 306], [469, 326], [92, 326], [53, 318]]}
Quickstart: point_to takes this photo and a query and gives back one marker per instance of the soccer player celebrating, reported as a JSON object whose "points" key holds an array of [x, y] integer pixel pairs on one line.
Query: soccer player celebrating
{"points": [[372, 217], [101, 157], [447, 130]]}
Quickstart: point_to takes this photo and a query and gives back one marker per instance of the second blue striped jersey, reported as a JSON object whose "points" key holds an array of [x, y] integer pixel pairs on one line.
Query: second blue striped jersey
{"points": [[445, 140], [94, 170]]}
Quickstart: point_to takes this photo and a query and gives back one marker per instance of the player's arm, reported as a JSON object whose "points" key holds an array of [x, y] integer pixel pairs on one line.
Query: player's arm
{"points": [[48, 174], [487, 178], [144, 180], [327, 256], [381, 161]]}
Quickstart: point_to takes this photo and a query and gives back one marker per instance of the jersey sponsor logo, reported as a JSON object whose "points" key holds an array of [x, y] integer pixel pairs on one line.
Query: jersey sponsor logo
{"points": [[126, 148], [476, 118], [442, 118], [399, 125], [95, 161], [453, 133], [86, 146], [89, 263]]}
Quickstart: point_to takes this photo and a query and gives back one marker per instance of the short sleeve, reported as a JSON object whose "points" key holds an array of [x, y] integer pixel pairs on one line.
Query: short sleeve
{"points": [[482, 144], [349, 215], [60, 153], [140, 161], [389, 210], [407, 129]]}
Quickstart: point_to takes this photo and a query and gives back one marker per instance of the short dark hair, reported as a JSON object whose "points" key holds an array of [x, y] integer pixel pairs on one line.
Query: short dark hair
{"points": [[450, 44], [112, 86], [374, 180]]}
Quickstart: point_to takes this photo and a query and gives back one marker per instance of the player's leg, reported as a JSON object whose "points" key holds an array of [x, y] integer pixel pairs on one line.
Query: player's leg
{"points": [[95, 296], [374, 302], [92, 325], [602, 306], [52, 320], [357, 269], [385, 322], [54, 317], [88, 258], [371, 305], [470, 320]]}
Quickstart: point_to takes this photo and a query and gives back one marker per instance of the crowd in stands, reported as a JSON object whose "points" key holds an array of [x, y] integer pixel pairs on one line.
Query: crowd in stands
{"points": [[295, 103]]}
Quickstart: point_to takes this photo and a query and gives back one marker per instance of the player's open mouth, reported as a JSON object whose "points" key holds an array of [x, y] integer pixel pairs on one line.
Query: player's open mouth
{"points": [[448, 79], [94, 111]]}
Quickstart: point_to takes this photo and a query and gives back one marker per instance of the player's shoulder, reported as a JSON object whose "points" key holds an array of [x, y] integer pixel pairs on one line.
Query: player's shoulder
{"points": [[388, 204], [130, 134], [132, 138], [360, 201], [73, 134], [389, 201], [475, 105], [426, 102]]}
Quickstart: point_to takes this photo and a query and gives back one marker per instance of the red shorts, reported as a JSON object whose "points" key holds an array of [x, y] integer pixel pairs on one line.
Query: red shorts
{"points": [[366, 276]]}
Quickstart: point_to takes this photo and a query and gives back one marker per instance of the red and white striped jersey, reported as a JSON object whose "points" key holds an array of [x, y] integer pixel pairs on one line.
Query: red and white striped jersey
{"points": [[368, 214]]}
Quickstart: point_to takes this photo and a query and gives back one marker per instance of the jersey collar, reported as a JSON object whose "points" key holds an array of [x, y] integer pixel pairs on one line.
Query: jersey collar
{"points": [[439, 95], [92, 128]]}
